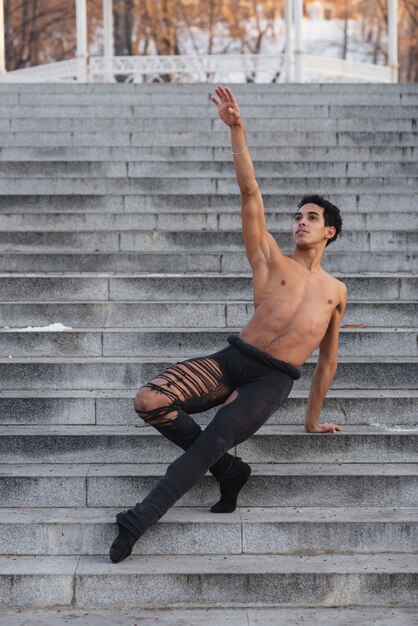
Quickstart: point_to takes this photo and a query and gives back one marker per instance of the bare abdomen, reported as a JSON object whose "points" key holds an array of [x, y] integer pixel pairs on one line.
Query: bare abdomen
{"points": [[291, 336]]}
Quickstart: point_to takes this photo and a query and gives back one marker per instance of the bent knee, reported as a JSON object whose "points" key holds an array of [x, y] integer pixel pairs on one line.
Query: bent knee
{"points": [[154, 408], [147, 400]]}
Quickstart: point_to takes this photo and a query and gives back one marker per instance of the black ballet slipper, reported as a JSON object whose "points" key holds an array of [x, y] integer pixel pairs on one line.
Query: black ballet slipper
{"points": [[230, 490], [122, 546]]}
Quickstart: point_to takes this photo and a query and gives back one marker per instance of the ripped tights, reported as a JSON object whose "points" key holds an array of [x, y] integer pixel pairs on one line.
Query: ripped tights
{"points": [[248, 383]]}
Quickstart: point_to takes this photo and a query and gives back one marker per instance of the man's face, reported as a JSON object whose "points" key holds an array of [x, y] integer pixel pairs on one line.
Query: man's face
{"points": [[308, 226]]}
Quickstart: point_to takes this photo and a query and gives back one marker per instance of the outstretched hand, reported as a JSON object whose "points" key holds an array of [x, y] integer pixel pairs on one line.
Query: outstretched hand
{"points": [[328, 427], [227, 107]]}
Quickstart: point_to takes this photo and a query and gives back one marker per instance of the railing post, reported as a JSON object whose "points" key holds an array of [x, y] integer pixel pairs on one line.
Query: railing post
{"points": [[393, 39], [288, 59], [108, 39], [81, 21], [298, 13], [2, 44]]}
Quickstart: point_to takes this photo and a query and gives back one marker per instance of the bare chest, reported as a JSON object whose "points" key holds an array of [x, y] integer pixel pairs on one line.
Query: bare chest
{"points": [[294, 299]]}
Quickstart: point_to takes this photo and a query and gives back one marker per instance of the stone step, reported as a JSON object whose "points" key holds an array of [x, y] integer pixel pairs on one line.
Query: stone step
{"points": [[186, 221], [211, 139], [385, 615], [356, 261], [271, 484], [190, 111], [220, 580], [132, 372], [182, 106], [387, 154], [184, 315], [162, 342], [102, 124], [214, 185], [274, 530], [226, 203], [372, 221], [190, 88], [393, 409], [188, 98], [209, 262], [192, 241], [272, 170], [198, 169], [85, 287], [272, 443]]}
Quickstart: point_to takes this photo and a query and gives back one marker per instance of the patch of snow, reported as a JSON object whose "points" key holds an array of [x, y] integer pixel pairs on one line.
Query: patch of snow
{"points": [[395, 429], [36, 329]]}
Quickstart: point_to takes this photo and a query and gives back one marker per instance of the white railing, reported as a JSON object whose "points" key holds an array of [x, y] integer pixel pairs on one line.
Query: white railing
{"points": [[201, 68], [187, 68], [61, 71], [324, 67]]}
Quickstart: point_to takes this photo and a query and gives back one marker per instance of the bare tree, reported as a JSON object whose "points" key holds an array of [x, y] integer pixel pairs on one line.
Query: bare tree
{"points": [[40, 31], [37, 31]]}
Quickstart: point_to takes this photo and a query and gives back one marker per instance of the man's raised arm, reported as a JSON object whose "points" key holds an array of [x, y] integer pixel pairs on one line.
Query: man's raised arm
{"points": [[258, 241]]}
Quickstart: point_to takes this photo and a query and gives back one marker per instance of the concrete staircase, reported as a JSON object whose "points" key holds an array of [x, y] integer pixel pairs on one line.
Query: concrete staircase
{"points": [[120, 220]]}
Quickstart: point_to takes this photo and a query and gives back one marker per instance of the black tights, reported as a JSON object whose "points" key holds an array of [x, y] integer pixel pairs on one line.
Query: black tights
{"points": [[261, 385]]}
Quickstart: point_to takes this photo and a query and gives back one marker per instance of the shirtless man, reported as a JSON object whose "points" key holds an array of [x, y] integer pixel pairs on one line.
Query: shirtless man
{"points": [[298, 307]]}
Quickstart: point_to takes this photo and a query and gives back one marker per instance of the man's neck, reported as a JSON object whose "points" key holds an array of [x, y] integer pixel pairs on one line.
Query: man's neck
{"points": [[309, 259]]}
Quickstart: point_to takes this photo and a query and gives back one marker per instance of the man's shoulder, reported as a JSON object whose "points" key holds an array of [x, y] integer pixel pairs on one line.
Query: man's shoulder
{"points": [[340, 287], [338, 283]]}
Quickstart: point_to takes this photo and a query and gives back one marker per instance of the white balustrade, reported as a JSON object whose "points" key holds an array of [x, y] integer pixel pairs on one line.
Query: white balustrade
{"points": [[61, 71], [204, 68]]}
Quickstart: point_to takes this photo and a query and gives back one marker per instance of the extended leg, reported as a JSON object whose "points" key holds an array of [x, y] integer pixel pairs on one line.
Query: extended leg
{"points": [[233, 423]]}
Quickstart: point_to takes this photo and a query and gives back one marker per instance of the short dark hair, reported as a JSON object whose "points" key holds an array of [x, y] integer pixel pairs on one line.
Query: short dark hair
{"points": [[332, 215]]}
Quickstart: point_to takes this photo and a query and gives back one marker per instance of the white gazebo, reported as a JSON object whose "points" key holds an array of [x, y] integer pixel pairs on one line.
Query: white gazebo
{"points": [[296, 63]]}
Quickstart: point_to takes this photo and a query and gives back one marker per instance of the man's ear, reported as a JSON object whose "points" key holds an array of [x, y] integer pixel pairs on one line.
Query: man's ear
{"points": [[331, 232]]}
